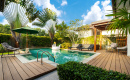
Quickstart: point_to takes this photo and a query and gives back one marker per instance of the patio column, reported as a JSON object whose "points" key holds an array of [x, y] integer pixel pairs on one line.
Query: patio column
{"points": [[128, 41], [100, 39], [95, 34], [128, 44]]}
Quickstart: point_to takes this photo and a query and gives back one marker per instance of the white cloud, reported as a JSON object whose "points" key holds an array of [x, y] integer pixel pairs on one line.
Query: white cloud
{"points": [[59, 21], [1, 14], [4, 21], [96, 13], [64, 2], [47, 4]]}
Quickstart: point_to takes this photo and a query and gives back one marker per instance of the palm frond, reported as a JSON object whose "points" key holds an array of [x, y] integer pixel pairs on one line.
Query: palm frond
{"points": [[39, 24]]}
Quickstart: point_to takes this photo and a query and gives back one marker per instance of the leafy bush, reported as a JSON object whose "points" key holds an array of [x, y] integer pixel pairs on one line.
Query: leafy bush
{"points": [[1, 49], [4, 37], [79, 71], [33, 40], [40, 41], [65, 45]]}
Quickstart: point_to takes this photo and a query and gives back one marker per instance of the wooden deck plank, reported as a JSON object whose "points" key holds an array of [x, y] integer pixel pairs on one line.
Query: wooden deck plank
{"points": [[126, 64], [107, 67], [6, 71], [35, 71], [93, 60], [1, 69], [36, 67], [19, 69], [102, 60], [113, 62], [118, 65], [13, 71], [98, 59], [40, 66], [105, 61], [123, 68], [26, 69], [48, 66]]}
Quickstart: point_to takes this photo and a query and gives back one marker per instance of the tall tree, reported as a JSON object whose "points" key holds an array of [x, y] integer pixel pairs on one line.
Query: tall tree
{"points": [[19, 15], [62, 29], [72, 33], [5, 29], [41, 32], [50, 26], [44, 16]]}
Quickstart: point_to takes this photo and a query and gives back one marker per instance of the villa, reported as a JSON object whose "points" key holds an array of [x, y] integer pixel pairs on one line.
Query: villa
{"points": [[55, 57]]}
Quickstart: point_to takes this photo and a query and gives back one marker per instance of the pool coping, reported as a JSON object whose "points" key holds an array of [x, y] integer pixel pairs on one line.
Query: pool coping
{"points": [[24, 60]]}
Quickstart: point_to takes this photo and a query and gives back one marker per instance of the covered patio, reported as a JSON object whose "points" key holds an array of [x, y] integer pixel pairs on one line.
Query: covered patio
{"points": [[102, 26]]}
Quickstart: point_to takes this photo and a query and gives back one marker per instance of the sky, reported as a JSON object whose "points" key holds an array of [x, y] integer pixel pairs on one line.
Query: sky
{"points": [[66, 10]]}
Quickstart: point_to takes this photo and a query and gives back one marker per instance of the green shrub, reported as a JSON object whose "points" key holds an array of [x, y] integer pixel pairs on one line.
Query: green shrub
{"points": [[79, 71], [65, 45], [33, 40], [41, 41], [4, 37], [1, 49]]}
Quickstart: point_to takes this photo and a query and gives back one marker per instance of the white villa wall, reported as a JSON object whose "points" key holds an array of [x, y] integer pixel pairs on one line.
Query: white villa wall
{"points": [[83, 34], [108, 32]]}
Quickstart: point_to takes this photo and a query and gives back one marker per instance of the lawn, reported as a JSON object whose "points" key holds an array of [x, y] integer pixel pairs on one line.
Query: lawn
{"points": [[7, 53]]}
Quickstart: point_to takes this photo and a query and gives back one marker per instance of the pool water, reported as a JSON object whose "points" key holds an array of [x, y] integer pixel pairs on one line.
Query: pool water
{"points": [[61, 56]]}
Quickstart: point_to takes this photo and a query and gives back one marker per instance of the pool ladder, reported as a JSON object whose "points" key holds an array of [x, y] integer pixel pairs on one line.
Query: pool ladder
{"points": [[42, 55]]}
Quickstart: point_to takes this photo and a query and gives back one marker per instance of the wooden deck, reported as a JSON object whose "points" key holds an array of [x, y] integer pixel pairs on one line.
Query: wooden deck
{"points": [[112, 61], [12, 69]]}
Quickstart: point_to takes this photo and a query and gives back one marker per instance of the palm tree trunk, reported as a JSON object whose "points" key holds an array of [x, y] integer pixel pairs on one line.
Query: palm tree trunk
{"points": [[17, 44], [51, 42]]}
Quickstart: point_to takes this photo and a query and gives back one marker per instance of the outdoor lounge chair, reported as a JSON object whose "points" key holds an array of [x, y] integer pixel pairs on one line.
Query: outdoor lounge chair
{"points": [[75, 46], [112, 46], [86, 46], [9, 48], [122, 48]]}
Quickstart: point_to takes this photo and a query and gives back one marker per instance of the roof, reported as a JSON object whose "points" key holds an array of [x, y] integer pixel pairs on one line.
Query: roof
{"points": [[101, 25]]}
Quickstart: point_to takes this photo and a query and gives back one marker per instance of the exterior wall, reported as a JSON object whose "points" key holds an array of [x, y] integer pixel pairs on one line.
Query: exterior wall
{"points": [[106, 32], [83, 34]]}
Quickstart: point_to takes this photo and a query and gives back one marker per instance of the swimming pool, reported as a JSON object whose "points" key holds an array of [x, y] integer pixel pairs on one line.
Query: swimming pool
{"points": [[61, 56]]}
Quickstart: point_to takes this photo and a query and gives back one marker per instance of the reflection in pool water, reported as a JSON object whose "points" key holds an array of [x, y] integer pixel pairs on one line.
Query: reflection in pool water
{"points": [[61, 56]]}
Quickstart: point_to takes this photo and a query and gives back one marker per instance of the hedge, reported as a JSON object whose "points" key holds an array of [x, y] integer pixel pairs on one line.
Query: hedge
{"points": [[33, 40], [79, 71], [5, 37]]}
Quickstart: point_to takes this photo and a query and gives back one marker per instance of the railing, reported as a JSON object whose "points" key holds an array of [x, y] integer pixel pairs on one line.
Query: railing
{"points": [[42, 55], [42, 51], [45, 53]]}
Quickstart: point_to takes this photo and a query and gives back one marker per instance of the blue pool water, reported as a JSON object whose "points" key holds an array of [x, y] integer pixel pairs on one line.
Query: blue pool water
{"points": [[61, 56]]}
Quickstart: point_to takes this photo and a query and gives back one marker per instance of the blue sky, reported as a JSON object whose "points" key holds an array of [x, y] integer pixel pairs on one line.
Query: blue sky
{"points": [[86, 10]]}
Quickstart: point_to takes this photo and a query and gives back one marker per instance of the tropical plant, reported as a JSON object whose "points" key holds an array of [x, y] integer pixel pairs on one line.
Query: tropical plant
{"points": [[5, 29], [61, 29], [72, 30], [121, 21], [41, 32], [50, 26], [44, 16], [19, 15], [123, 2]]}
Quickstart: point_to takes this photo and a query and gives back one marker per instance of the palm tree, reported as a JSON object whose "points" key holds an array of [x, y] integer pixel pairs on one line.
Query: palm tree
{"points": [[43, 18], [19, 15], [50, 26]]}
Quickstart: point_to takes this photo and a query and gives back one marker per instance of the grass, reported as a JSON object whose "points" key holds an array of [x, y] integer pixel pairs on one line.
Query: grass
{"points": [[7, 53]]}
